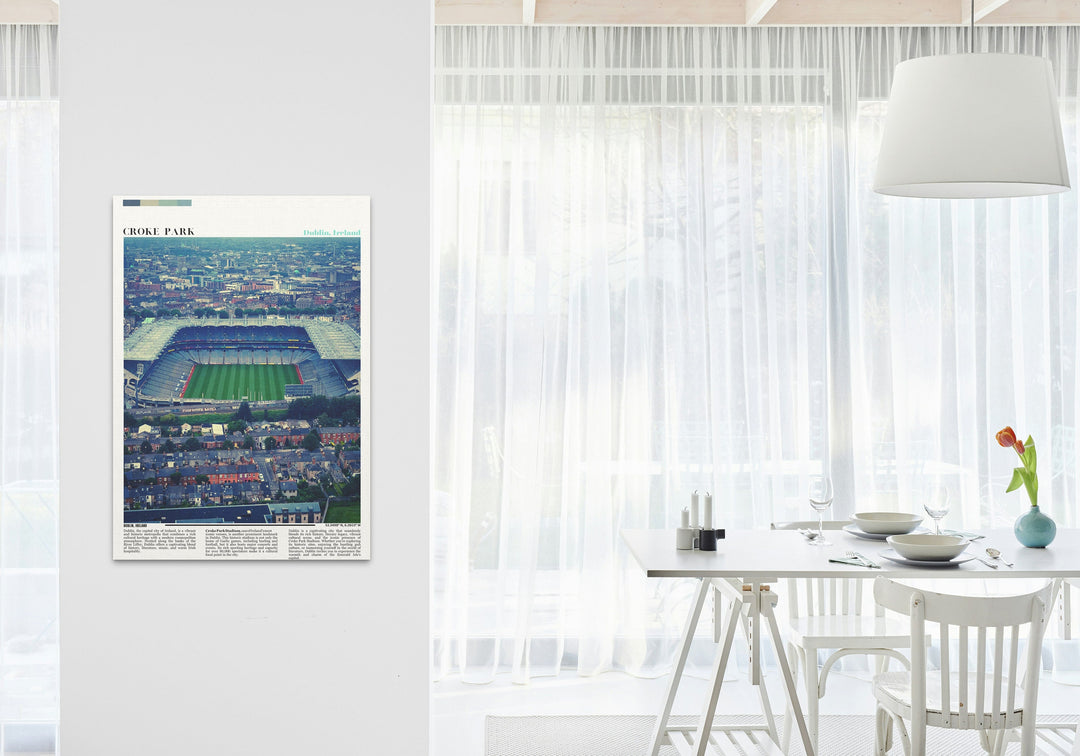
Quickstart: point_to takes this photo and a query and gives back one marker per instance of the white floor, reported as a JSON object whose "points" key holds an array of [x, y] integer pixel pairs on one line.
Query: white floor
{"points": [[458, 709]]}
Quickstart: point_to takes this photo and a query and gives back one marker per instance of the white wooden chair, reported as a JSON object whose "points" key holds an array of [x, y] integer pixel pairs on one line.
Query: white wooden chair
{"points": [[830, 614], [972, 692]]}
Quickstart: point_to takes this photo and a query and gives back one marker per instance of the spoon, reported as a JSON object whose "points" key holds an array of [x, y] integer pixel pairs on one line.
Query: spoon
{"points": [[995, 554]]}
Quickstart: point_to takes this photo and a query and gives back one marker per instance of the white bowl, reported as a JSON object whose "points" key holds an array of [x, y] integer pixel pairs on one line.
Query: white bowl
{"points": [[886, 523], [928, 547]]}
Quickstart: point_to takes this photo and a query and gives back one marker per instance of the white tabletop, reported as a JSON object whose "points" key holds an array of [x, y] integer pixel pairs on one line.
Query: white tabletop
{"points": [[770, 554]]}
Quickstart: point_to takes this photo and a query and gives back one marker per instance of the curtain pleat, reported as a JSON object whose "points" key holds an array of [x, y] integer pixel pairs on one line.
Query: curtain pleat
{"points": [[660, 267]]}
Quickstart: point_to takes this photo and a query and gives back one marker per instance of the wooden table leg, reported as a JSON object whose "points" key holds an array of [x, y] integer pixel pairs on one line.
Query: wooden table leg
{"points": [[766, 605], [660, 729], [719, 667]]}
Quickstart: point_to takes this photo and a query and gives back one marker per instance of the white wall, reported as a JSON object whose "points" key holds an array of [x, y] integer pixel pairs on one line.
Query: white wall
{"points": [[246, 97]]}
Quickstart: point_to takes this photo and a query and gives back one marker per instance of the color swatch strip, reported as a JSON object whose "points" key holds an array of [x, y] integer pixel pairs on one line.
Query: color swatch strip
{"points": [[157, 203]]}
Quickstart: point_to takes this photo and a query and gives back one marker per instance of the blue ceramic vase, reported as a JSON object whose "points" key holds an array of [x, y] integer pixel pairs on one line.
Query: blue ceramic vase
{"points": [[1034, 529]]}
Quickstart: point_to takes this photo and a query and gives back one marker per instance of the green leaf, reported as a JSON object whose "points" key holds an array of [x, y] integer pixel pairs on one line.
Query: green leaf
{"points": [[1029, 453], [1017, 479]]}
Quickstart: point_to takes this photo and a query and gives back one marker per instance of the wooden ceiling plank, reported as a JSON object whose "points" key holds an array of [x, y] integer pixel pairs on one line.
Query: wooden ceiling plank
{"points": [[642, 12], [736, 12], [477, 12], [29, 12], [1037, 12], [757, 9], [865, 12]]}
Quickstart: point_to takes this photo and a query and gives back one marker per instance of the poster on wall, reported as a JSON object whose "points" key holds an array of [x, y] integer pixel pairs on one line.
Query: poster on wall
{"points": [[241, 378]]}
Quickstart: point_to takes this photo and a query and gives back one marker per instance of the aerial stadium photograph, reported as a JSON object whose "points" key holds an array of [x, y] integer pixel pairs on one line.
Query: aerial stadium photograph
{"points": [[241, 380]]}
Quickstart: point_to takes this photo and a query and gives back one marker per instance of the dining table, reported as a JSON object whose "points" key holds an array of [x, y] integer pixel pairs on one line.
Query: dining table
{"points": [[746, 568]]}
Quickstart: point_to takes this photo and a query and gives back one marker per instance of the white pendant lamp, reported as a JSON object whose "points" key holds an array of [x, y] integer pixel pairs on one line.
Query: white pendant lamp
{"points": [[974, 125]]}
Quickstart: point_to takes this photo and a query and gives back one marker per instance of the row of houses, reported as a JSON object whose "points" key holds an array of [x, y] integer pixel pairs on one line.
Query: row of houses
{"points": [[134, 444], [348, 434], [197, 458], [214, 429], [328, 435], [149, 478], [157, 496], [282, 437], [301, 464], [189, 475]]}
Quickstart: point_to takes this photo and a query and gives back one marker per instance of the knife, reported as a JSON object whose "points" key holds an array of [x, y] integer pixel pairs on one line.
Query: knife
{"points": [[866, 561]]}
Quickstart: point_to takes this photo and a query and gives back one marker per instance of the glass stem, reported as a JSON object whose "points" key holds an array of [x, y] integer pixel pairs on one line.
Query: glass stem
{"points": [[821, 525]]}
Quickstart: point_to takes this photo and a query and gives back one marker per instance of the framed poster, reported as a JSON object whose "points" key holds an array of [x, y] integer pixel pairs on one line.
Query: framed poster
{"points": [[241, 378]]}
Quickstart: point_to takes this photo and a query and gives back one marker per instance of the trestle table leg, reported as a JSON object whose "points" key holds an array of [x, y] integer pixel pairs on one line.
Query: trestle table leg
{"points": [[701, 744], [660, 729], [766, 607]]}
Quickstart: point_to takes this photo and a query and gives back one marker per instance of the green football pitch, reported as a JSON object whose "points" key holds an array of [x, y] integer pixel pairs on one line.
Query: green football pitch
{"points": [[254, 382]]}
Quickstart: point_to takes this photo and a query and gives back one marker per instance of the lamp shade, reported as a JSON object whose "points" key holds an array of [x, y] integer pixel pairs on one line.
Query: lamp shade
{"points": [[972, 125]]}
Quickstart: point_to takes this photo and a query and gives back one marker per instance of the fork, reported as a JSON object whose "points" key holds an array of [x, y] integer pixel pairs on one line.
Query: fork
{"points": [[865, 562]]}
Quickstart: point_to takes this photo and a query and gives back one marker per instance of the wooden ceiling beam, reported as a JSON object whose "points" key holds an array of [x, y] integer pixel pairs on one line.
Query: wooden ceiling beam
{"points": [[757, 10], [983, 8], [739, 12]]}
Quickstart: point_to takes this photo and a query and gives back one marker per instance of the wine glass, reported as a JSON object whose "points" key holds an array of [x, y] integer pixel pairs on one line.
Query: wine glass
{"points": [[821, 495], [937, 505]]}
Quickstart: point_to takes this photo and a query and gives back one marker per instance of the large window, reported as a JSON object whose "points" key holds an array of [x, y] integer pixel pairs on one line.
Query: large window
{"points": [[28, 385], [660, 267]]}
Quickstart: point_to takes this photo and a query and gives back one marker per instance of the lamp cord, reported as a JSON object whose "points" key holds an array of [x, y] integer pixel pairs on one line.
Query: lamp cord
{"points": [[971, 39]]}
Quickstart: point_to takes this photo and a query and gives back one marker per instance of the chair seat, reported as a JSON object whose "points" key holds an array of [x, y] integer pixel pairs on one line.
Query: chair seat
{"points": [[849, 631], [893, 691]]}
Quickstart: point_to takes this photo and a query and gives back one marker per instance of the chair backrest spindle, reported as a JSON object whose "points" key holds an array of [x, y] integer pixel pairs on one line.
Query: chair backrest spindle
{"points": [[944, 637], [962, 702], [809, 597], [980, 678], [1014, 654], [999, 645]]}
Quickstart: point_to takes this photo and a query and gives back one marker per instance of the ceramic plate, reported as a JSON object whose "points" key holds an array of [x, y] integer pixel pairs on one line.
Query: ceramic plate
{"points": [[928, 546], [854, 530], [886, 523], [892, 556]]}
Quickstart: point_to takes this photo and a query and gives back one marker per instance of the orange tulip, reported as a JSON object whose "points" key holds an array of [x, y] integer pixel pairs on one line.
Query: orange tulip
{"points": [[1025, 475], [1007, 437]]}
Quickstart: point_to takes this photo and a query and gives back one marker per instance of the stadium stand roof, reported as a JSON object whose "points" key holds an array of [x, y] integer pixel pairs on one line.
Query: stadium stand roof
{"points": [[147, 341], [333, 341]]}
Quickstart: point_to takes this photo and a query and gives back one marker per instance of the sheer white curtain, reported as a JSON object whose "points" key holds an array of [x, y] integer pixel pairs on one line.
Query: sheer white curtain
{"points": [[28, 385], [964, 313], [659, 268]]}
